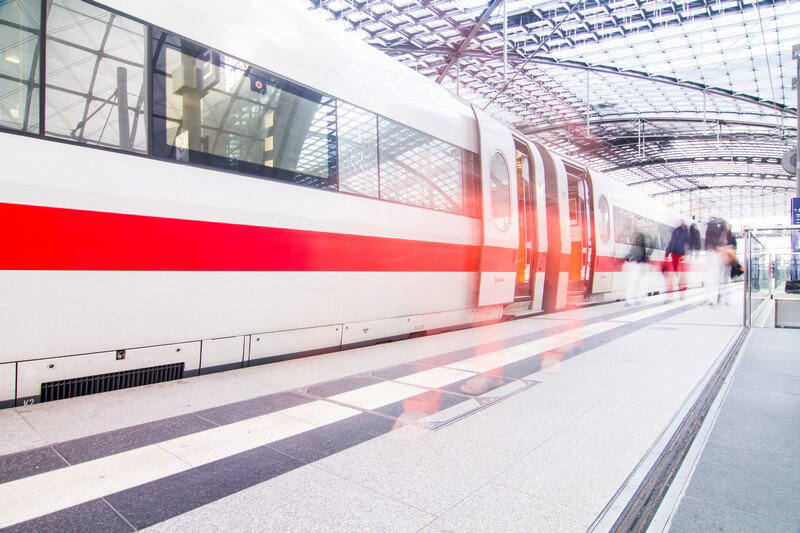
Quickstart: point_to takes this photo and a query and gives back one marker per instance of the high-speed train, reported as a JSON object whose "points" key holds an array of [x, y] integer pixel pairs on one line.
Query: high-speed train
{"points": [[197, 189]]}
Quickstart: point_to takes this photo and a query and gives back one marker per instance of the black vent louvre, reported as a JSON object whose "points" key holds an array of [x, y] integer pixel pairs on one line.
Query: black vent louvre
{"points": [[72, 388]]}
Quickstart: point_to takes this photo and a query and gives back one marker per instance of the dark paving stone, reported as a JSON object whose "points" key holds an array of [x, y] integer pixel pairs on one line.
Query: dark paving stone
{"points": [[774, 336], [29, 463], [452, 357], [697, 516], [782, 368], [95, 515], [765, 484], [762, 402], [461, 355], [786, 354], [427, 403], [491, 384], [332, 388], [120, 440], [750, 431], [326, 440], [236, 412], [767, 381], [523, 368], [399, 371], [160, 500]]}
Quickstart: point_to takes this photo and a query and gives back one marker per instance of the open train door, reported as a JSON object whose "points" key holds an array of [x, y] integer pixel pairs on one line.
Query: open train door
{"points": [[499, 220]]}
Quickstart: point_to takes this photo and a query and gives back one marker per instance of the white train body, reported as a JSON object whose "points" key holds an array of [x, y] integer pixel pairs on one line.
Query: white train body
{"points": [[116, 261]]}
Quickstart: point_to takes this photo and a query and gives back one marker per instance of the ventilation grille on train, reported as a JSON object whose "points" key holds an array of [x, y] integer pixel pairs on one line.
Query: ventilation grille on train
{"points": [[72, 388]]}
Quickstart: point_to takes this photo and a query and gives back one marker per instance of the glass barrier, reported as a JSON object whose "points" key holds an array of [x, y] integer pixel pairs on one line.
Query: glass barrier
{"points": [[772, 266]]}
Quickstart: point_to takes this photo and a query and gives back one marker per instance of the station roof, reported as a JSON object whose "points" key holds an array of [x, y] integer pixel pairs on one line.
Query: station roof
{"points": [[671, 97]]}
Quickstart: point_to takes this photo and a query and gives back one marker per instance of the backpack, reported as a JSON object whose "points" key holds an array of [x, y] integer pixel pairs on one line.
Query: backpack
{"points": [[715, 234]]}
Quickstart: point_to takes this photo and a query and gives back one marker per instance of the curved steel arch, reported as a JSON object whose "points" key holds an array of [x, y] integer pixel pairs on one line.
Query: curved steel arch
{"points": [[656, 119], [601, 69], [702, 188], [764, 160], [714, 175]]}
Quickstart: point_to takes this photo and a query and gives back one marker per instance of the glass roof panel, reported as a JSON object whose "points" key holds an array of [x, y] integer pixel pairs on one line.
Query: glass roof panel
{"points": [[658, 82]]}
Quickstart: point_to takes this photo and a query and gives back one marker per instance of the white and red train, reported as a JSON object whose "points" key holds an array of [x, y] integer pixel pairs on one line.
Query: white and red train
{"points": [[276, 190]]}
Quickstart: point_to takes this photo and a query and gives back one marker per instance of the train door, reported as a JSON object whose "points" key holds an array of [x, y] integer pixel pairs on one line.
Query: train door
{"points": [[499, 222], [523, 290], [581, 231], [604, 264]]}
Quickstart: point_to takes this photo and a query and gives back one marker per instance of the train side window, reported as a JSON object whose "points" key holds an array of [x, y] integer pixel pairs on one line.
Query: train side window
{"points": [[418, 169], [500, 191], [216, 110], [358, 150], [20, 28], [604, 219], [95, 77]]}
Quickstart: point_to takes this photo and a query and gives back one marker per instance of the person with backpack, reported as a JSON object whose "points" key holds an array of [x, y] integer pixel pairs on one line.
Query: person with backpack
{"points": [[676, 250], [716, 241]]}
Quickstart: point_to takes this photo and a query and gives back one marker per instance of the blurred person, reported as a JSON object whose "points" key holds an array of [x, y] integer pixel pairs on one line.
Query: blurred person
{"points": [[716, 241], [695, 243], [636, 266], [728, 254], [676, 250]]}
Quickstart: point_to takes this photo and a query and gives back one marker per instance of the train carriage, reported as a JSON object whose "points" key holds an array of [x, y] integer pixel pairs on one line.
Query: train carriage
{"points": [[211, 192]]}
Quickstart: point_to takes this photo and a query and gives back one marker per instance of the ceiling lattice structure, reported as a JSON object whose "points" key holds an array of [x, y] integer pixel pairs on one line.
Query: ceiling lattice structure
{"points": [[671, 97]]}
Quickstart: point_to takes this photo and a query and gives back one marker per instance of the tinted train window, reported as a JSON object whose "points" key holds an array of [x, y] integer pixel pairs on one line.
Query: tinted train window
{"points": [[213, 109], [500, 191], [418, 169], [20, 26], [626, 224], [604, 219], [95, 77], [358, 150]]}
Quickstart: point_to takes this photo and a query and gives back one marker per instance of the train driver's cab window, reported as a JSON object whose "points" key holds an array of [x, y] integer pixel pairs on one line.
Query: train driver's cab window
{"points": [[500, 191], [20, 27], [212, 109], [94, 73]]}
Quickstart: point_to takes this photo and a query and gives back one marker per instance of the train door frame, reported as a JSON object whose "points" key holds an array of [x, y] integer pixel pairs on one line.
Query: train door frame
{"points": [[555, 210], [525, 263], [500, 229], [584, 208], [605, 264]]}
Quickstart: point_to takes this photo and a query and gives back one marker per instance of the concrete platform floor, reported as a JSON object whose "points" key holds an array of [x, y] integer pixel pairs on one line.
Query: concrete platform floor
{"points": [[526, 425], [747, 475]]}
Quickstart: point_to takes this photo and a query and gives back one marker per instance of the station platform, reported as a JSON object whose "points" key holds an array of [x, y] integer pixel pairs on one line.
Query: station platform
{"points": [[532, 424], [743, 473]]}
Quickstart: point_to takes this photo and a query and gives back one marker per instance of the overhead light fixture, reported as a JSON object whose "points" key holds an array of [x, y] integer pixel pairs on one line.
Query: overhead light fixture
{"points": [[12, 59]]}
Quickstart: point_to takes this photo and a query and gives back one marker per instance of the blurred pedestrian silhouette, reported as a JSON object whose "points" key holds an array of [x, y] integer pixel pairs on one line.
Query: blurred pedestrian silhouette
{"points": [[636, 268]]}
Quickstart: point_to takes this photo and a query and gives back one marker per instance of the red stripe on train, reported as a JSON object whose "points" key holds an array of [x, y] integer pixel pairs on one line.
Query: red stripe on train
{"points": [[615, 264], [48, 238]]}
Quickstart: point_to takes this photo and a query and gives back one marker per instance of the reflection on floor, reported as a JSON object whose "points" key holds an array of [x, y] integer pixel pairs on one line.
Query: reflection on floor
{"points": [[532, 424]]}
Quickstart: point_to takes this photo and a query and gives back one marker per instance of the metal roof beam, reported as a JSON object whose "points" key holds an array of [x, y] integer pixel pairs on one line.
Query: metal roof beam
{"points": [[468, 39], [763, 160], [656, 119], [706, 188], [715, 175], [600, 69]]}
